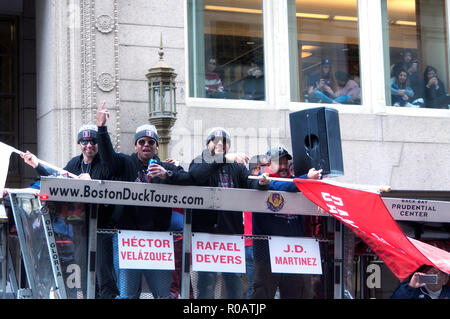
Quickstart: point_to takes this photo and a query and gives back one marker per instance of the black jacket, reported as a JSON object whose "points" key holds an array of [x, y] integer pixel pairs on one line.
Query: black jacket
{"points": [[205, 170], [405, 291], [129, 168], [436, 98], [97, 171]]}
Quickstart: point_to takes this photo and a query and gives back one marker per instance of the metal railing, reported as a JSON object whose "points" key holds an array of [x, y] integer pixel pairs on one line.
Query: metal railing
{"points": [[48, 254]]}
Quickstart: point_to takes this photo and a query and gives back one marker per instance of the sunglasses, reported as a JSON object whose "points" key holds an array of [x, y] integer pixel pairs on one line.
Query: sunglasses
{"points": [[86, 142], [143, 142], [219, 139]]}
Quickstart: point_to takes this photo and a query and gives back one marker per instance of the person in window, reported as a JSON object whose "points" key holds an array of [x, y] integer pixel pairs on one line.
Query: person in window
{"points": [[415, 83], [347, 91], [213, 84], [405, 63], [434, 90], [413, 289], [254, 83], [322, 85], [401, 93]]}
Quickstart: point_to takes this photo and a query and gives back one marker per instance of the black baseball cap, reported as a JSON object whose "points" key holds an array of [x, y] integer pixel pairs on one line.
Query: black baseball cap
{"points": [[87, 131], [218, 132], [276, 153]]}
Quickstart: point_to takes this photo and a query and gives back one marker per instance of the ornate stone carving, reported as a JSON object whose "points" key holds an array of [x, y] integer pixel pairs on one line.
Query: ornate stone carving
{"points": [[100, 25], [105, 23], [106, 82]]}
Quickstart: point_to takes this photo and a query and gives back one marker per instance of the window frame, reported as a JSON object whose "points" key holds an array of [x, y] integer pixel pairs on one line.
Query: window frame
{"points": [[15, 94], [407, 111], [203, 102], [277, 66]]}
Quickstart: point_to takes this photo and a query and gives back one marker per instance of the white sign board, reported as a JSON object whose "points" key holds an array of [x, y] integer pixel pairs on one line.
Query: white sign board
{"points": [[5, 151], [420, 210], [216, 198], [295, 255], [3, 215], [218, 253], [164, 195], [145, 250]]}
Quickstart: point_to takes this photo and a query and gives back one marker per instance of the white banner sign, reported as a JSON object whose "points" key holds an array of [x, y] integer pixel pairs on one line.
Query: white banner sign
{"points": [[218, 253], [295, 255], [5, 151], [146, 250], [216, 198], [421, 210], [163, 195]]}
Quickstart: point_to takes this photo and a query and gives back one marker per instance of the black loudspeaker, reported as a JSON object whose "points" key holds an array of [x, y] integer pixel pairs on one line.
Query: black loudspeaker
{"points": [[316, 141]]}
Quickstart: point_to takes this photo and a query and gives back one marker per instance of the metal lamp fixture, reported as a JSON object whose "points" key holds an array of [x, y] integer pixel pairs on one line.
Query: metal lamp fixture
{"points": [[162, 101]]}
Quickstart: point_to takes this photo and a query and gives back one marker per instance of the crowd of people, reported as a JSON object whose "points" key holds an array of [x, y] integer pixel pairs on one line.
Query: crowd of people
{"points": [[251, 83], [408, 89], [216, 167]]}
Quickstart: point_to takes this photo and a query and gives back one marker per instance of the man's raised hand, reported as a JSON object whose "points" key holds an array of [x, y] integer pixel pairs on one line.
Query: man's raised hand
{"points": [[102, 114]]}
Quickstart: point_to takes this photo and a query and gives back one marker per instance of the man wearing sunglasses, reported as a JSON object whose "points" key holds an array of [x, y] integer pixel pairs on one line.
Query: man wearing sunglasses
{"points": [[87, 165], [135, 168], [217, 167]]}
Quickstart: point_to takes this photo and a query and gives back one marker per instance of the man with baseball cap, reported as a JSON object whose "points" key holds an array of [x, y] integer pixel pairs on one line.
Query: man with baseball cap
{"points": [[265, 283], [135, 168], [87, 165], [217, 167]]}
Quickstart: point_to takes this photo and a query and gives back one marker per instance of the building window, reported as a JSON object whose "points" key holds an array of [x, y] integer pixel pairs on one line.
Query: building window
{"points": [[418, 53], [324, 51], [226, 49], [8, 87]]}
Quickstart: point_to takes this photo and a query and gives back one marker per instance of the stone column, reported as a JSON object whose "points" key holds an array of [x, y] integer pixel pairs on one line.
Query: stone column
{"points": [[374, 54], [100, 62], [77, 67], [55, 89]]}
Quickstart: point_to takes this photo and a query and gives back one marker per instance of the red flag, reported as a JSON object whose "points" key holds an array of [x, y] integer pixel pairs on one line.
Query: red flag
{"points": [[365, 213]]}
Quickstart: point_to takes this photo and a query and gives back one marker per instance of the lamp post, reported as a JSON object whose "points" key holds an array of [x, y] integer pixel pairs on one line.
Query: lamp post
{"points": [[162, 102]]}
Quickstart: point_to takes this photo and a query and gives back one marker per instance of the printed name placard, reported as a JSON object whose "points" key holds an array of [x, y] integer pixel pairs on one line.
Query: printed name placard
{"points": [[145, 250], [295, 255], [218, 253]]}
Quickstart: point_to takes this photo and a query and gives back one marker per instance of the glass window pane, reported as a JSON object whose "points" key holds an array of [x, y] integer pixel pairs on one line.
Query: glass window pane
{"points": [[156, 98], [6, 56], [8, 100], [6, 115], [324, 48], [226, 49], [418, 53]]}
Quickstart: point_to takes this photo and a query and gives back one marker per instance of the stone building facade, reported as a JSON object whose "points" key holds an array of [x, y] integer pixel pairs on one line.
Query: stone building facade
{"points": [[76, 53]]}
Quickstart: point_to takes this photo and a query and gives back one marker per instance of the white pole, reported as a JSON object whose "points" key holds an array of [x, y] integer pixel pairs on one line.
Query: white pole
{"points": [[13, 150], [371, 188]]}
